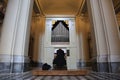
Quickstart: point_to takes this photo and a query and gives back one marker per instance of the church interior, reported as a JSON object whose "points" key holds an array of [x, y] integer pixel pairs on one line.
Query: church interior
{"points": [[59, 40]]}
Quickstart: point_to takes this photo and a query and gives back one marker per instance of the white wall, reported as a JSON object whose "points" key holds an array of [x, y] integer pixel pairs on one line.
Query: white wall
{"points": [[49, 49], [44, 51]]}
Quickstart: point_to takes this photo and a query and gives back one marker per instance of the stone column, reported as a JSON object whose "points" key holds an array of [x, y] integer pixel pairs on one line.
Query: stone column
{"points": [[15, 35], [104, 23]]}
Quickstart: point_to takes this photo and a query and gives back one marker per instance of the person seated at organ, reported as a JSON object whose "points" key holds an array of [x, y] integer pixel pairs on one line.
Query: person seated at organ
{"points": [[59, 61]]}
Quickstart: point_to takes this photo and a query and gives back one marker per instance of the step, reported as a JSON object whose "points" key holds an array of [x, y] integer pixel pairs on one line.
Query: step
{"points": [[59, 72]]}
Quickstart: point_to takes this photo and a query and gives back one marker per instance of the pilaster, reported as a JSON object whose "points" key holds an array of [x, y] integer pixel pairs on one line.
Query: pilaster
{"points": [[104, 24], [15, 35]]}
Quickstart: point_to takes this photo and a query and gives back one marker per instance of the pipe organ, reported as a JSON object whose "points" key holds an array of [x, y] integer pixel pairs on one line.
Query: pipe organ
{"points": [[60, 32]]}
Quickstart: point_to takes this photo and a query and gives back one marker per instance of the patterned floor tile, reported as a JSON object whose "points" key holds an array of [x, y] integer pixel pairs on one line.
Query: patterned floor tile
{"points": [[91, 76]]}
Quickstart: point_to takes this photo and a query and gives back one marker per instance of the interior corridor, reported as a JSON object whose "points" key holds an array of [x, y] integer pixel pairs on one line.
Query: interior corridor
{"points": [[59, 40]]}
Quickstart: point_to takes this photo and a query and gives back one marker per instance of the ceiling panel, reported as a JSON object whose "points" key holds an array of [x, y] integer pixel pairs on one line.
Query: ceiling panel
{"points": [[60, 7]]}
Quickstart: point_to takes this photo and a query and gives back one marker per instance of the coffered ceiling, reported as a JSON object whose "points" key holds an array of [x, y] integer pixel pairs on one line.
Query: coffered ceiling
{"points": [[59, 7], [116, 4], [118, 18]]}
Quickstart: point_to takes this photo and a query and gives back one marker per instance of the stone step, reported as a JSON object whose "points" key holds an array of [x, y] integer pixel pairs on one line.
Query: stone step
{"points": [[59, 72]]}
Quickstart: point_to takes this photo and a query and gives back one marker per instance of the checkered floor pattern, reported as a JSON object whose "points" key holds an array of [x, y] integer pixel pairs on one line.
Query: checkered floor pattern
{"points": [[91, 76]]}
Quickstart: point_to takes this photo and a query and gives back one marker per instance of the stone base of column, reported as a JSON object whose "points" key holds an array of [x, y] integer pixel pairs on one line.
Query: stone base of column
{"points": [[5, 63], [102, 67], [84, 65], [94, 64], [102, 63], [114, 63], [5, 67], [36, 64], [114, 67], [20, 67], [17, 65]]}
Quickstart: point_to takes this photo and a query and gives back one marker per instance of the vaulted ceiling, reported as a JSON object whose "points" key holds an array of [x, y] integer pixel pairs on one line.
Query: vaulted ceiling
{"points": [[67, 7], [60, 7], [116, 4]]}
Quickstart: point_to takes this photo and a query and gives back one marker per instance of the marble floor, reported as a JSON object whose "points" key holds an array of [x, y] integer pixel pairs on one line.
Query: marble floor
{"points": [[90, 76]]}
